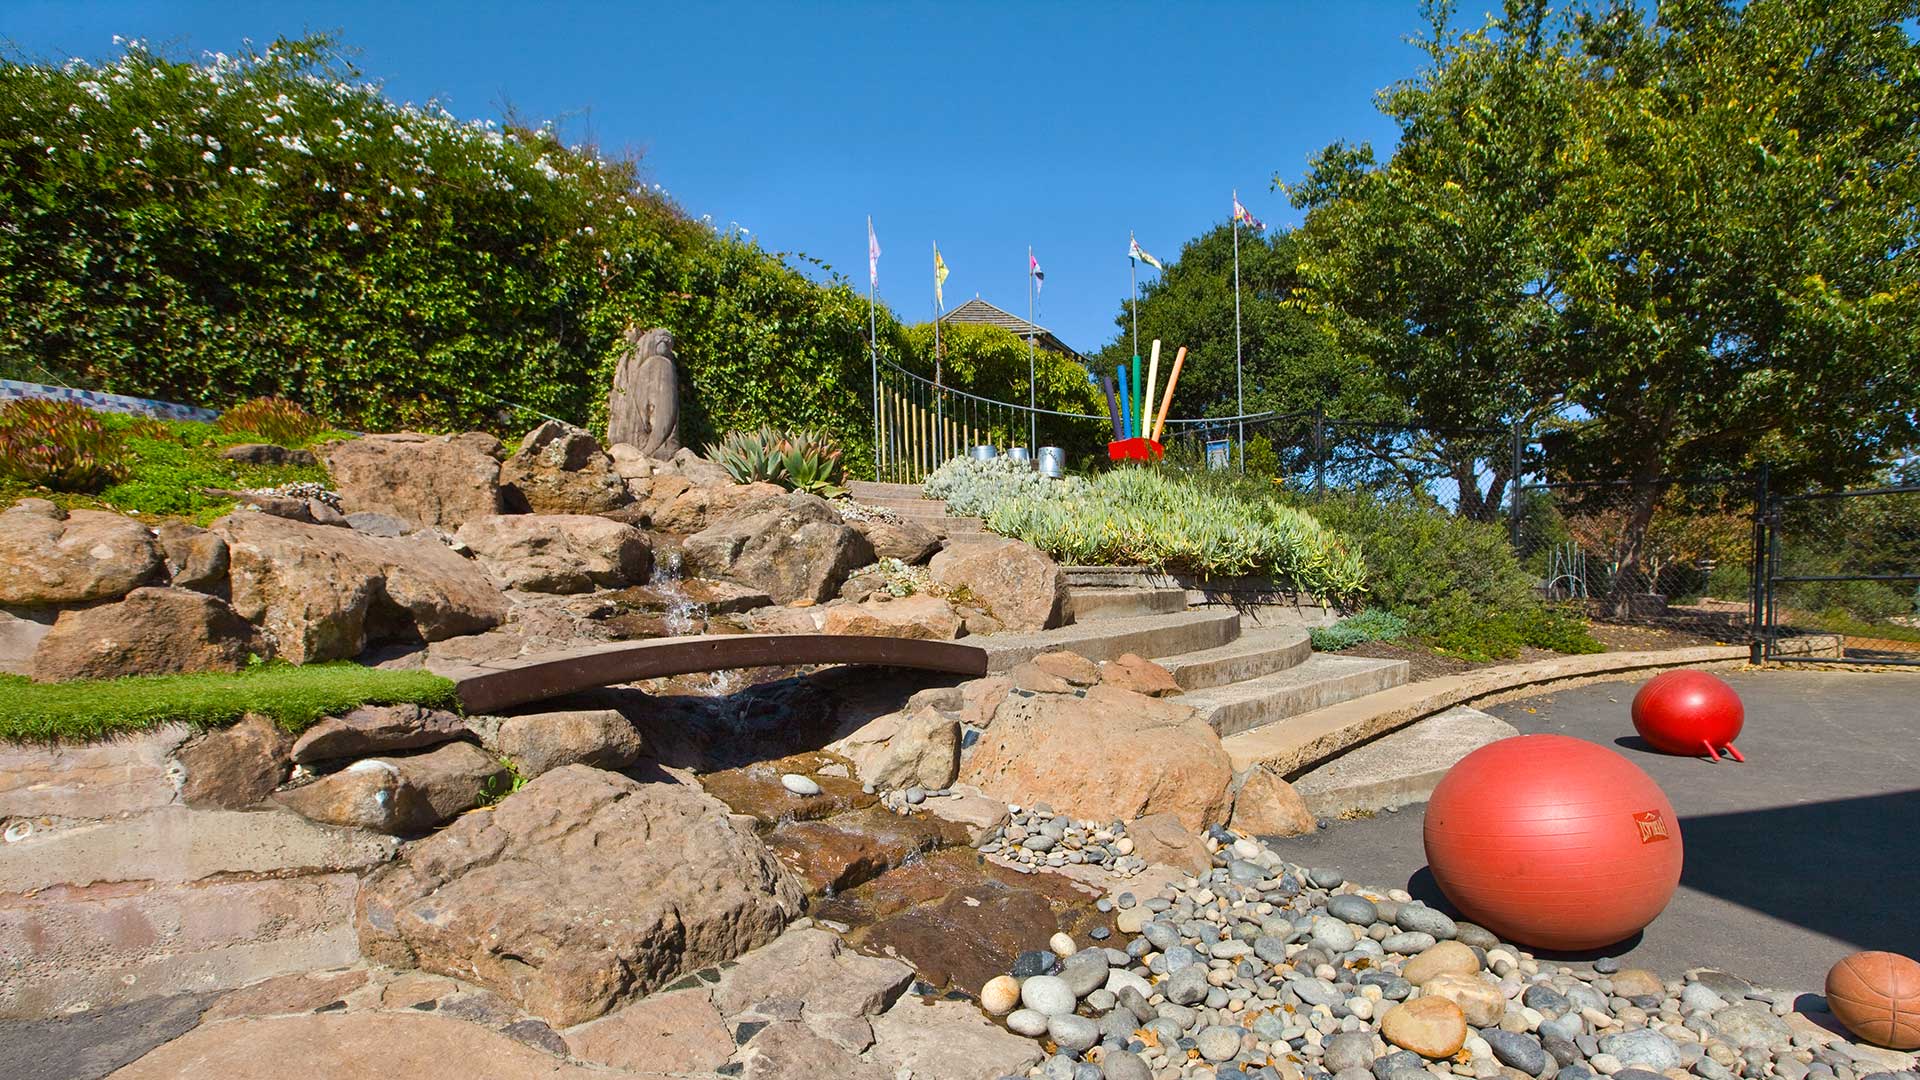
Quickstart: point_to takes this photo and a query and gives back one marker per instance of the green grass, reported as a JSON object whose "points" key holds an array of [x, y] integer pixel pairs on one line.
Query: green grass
{"points": [[294, 697]]}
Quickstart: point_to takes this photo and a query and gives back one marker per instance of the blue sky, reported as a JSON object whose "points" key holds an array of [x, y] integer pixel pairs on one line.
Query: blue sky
{"points": [[985, 127]]}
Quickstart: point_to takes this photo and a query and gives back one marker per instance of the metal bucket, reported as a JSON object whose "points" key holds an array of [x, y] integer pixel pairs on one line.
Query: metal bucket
{"points": [[1053, 462], [983, 453], [1018, 453]]}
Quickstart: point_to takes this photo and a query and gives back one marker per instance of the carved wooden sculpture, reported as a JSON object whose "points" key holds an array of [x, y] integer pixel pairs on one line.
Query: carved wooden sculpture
{"points": [[643, 408]]}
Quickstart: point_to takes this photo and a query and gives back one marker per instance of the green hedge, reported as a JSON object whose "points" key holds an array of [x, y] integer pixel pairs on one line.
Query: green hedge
{"points": [[270, 224]]}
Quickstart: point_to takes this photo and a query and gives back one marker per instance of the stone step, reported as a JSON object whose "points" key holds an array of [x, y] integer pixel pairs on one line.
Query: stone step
{"points": [[1321, 680], [958, 527], [1122, 603], [1114, 577], [870, 489], [1260, 650], [917, 511], [1401, 767], [1106, 639]]}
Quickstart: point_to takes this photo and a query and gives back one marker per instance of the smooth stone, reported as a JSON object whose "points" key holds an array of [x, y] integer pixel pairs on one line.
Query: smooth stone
{"points": [[1048, 994], [1432, 1027], [1072, 1033], [1479, 937], [1483, 1002], [1323, 878], [1000, 995], [799, 785], [1035, 962], [1332, 934], [1062, 944], [1125, 1065], [1700, 997], [1271, 949], [1446, 957], [1563, 1050], [1316, 991], [1028, 1022], [1120, 980], [1160, 935], [1407, 942], [1348, 1050], [1085, 972], [1218, 1043], [1568, 1026], [1546, 999], [1187, 985], [1645, 1047], [1102, 1000], [1181, 1016], [1751, 1025], [1354, 909], [1425, 920], [1523, 1052]]}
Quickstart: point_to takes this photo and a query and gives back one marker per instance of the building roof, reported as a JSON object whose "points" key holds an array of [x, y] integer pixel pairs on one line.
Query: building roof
{"points": [[978, 312]]}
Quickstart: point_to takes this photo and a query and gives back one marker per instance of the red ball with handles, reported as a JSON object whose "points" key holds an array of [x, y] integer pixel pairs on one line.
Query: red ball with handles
{"points": [[1687, 712], [1553, 842]]}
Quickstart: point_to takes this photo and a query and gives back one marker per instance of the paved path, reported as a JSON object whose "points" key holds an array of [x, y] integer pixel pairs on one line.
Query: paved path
{"points": [[1809, 851]]}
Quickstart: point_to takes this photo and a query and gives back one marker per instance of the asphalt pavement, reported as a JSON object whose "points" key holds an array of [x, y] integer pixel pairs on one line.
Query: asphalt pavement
{"points": [[1807, 852]]}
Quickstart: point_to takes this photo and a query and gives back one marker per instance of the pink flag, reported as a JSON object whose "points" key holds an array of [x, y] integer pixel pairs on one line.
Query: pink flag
{"points": [[1240, 215], [1039, 275], [873, 255]]}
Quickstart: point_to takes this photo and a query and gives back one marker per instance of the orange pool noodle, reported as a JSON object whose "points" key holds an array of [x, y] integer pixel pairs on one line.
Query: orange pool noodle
{"points": [[1166, 403]]}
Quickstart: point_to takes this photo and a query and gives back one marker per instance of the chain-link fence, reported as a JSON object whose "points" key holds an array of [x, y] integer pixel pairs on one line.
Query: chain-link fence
{"points": [[1847, 563]]}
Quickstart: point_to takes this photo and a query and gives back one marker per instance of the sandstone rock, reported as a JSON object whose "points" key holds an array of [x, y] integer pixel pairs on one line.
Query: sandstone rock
{"points": [[909, 541], [1164, 839], [1075, 669], [521, 900], [630, 462], [794, 1051], [153, 631], [414, 1045], [235, 767], [1034, 679], [981, 698], [816, 967], [283, 995], [1266, 805], [697, 507], [542, 742], [560, 470], [1446, 958], [675, 1032], [21, 631], [442, 481], [1110, 755], [50, 556], [839, 853], [948, 1040], [1018, 583], [643, 406], [697, 470], [398, 795], [968, 808], [559, 553], [325, 593], [924, 751], [267, 454], [1480, 1000], [1432, 1027], [1140, 675], [374, 523], [90, 780], [793, 549], [196, 558], [1636, 982], [377, 729], [918, 616]]}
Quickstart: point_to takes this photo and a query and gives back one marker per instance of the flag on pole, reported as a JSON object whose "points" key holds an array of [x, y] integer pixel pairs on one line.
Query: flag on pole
{"points": [[1039, 275], [873, 255], [1135, 251], [939, 276], [1240, 215]]}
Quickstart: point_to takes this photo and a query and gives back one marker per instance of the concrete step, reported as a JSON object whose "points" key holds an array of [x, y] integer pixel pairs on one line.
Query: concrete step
{"points": [[869, 489], [1121, 603], [1151, 636], [957, 527], [1260, 650], [1321, 680], [1401, 767], [1114, 577]]}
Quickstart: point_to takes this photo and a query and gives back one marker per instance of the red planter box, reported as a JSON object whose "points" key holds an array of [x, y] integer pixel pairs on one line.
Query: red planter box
{"points": [[1135, 450]]}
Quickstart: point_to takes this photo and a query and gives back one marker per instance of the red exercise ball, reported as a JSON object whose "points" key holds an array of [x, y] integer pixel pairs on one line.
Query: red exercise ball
{"points": [[1553, 842], [1685, 712]]}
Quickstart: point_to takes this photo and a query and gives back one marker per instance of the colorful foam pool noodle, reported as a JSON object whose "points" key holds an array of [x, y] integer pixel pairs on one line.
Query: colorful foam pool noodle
{"points": [[1126, 413], [1113, 405], [1153, 380], [1173, 377], [1134, 428]]}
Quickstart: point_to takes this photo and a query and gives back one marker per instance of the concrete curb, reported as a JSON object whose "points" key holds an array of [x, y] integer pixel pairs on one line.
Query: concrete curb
{"points": [[1295, 745]]}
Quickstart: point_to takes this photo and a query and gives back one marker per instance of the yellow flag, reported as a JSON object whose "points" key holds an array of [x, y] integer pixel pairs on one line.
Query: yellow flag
{"points": [[939, 277]]}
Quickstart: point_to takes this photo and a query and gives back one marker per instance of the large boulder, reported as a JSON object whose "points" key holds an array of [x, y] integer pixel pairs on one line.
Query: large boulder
{"points": [[903, 538], [325, 593], [560, 469], [796, 548], [698, 506], [152, 631], [559, 553], [51, 556], [377, 729], [539, 743], [1267, 805], [699, 471], [235, 767], [196, 558], [579, 892], [397, 795], [1112, 754], [919, 616], [1022, 587], [444, 481]]}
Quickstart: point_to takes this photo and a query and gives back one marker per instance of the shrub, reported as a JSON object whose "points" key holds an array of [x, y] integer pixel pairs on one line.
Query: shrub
{"points": [[1372, 624], [808, 461], [1155, 518], [59, 445], [274, 419]]}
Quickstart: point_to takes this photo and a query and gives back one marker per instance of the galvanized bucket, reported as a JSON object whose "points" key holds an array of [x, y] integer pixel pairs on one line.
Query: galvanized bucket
{"points": [[1018, 453], [983, 453], [1053, 462]]}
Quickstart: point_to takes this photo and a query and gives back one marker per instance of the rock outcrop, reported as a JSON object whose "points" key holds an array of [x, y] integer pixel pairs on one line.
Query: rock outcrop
{"points": [[796, 548], [559, 553], [51, 556], [151, 631], [400, 796], [561, 469], [579, 892], [918, 616], [377, 729], [325, 593], [441, 481], [690, 508], [1018, 583], [539, 743], [904, 539]]}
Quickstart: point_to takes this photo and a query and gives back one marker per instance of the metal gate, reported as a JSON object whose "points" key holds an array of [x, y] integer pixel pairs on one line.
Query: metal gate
{"points": [[1845, 563]]}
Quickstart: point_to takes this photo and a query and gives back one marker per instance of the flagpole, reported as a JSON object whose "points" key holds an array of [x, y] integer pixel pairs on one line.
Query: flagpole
{"points": [[1033, 422], [873, 355], [1133, 287], [1239, 380], [939, 407]]}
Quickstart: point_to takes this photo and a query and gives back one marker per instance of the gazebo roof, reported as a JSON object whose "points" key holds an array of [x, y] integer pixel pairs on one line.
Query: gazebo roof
{"points": [[978, 312]]}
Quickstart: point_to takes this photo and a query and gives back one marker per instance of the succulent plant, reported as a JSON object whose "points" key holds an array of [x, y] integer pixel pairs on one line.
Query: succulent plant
{"points": [[750, 456], [274, 419], [60, 445], [803, 460]]}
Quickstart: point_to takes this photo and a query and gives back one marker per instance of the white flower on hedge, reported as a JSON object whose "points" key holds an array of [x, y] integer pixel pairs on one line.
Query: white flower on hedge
{"points": [[353, 226], [208, 156]]}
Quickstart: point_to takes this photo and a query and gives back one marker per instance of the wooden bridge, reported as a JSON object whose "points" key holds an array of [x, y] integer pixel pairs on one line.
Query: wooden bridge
{"points": [[502, 684]]}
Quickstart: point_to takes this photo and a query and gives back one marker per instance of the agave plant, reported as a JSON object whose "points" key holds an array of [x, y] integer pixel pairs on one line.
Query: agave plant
{"points": [[751, 456], [812, 462]]}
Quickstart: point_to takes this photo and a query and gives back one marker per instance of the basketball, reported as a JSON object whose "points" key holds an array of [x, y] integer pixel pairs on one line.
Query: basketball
{"points": [[1877, 996]]}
